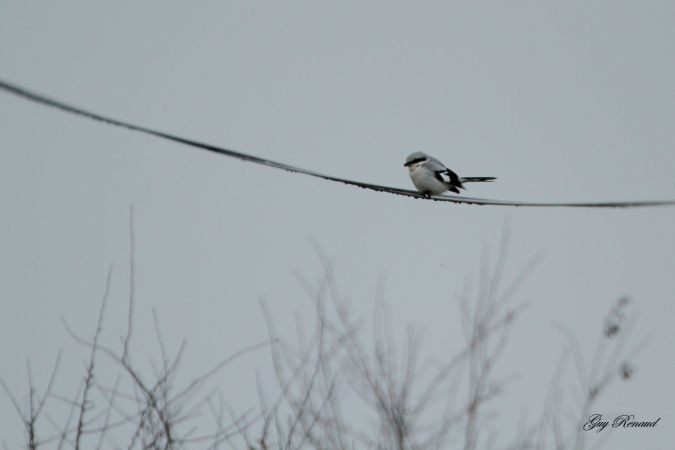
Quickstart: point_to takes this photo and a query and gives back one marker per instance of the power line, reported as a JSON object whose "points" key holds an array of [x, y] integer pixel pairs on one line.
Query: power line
{"points": [[47, 101]]}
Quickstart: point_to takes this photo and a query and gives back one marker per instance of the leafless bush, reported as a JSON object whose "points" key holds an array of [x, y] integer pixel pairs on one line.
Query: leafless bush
{"points": [[415, 404], [612, 359], [340, 383], [138, 411]]}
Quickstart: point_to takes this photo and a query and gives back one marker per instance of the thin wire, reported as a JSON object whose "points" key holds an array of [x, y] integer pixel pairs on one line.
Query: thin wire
{"points": [[47, 101]]}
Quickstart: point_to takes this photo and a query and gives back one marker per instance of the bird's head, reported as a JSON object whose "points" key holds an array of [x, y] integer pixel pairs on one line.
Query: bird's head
{"points": [[415, 160]]}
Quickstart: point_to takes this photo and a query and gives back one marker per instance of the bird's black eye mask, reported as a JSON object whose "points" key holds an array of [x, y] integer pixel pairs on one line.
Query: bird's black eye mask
{"points": [[415, 161]]}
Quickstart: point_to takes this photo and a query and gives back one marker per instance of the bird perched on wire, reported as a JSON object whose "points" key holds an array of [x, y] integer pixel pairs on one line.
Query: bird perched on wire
{"points": [[431, 177]]}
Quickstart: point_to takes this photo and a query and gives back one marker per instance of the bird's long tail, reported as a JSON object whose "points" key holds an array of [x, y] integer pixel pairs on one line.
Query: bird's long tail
{"points": [[477, 179]]}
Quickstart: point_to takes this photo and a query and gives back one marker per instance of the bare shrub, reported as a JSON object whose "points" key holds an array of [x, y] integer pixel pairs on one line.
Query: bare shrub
{"points": [[340, 383]]}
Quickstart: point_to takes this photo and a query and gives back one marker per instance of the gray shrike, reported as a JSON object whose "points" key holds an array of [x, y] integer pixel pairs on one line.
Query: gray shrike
{"points": [[431, 177]]}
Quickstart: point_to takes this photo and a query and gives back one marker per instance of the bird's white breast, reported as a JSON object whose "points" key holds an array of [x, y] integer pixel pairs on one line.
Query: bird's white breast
{"points": [[425, 181]]}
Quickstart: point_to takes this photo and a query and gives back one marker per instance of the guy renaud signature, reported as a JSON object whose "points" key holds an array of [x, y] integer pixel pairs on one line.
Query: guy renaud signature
{"points": [[596, 423]]}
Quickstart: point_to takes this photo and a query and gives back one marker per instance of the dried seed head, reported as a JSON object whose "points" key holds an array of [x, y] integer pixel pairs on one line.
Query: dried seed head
{"points": [[626, 370], [616, 318]]}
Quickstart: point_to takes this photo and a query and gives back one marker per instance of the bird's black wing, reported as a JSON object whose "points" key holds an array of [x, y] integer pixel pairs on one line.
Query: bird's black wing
{"points": [[449, 177]]}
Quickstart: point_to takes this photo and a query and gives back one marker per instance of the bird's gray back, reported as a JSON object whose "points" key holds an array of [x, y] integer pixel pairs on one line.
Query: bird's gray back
{"points": [[434, 164]]}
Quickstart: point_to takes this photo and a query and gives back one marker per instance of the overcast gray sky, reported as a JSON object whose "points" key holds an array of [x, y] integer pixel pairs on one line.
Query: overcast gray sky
{"points": [[569, 100]]}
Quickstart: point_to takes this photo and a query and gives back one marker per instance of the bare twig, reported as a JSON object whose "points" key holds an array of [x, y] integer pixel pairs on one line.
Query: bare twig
{"points": [[89, 378]]}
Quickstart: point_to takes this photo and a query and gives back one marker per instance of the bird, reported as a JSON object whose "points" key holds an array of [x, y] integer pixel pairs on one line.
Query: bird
{"points": [[431, 177]]}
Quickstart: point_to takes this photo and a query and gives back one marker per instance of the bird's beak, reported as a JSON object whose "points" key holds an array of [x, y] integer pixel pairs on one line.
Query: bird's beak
{"points": [[406, 164]]}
